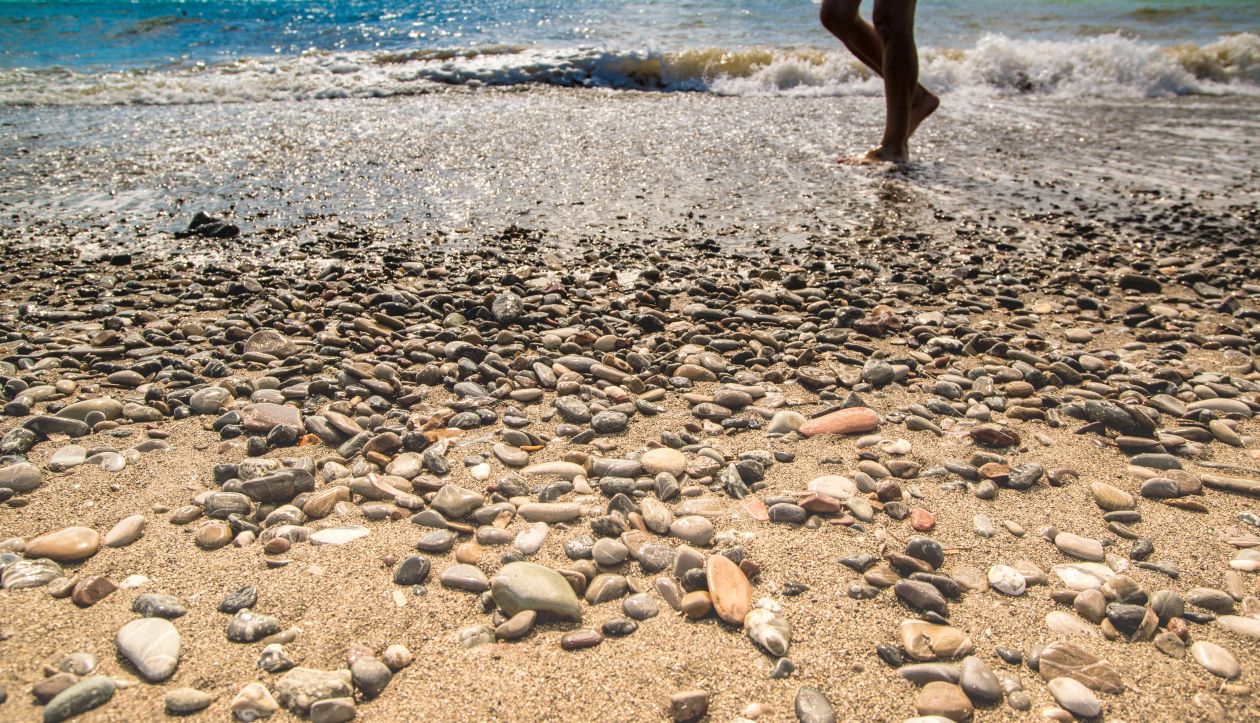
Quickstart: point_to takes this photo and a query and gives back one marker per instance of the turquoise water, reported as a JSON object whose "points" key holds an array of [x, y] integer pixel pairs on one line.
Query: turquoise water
{"points": [[150, 51]]}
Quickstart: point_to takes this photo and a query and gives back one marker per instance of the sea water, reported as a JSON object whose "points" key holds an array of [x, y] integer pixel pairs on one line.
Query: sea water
{"points": [[217, 51]]}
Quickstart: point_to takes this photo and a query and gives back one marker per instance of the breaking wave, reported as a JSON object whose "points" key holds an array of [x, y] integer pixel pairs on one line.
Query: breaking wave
{"points": [[1107, 66]]}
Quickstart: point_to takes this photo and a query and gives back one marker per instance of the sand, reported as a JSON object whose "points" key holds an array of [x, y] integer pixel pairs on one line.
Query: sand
{"points": [[583, 168]]}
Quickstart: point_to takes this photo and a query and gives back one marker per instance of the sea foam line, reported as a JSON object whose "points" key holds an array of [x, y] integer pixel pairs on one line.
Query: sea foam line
{"points": [[1106, 66]]}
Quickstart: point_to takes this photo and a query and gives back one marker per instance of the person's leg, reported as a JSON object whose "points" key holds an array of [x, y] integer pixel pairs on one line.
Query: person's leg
{"points": [[842, 19], [894, 22]]}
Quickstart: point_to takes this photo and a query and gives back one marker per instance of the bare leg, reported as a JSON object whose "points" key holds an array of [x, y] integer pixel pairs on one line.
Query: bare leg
{"points": [[842, 19]]}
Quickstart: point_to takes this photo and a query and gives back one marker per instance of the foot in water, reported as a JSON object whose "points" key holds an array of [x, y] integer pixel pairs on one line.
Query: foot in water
{"points": [[877, 156], [925, 104]]}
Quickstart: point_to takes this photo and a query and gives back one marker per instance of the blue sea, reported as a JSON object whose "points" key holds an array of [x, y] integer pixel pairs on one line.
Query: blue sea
{"points": [[218, 51]]}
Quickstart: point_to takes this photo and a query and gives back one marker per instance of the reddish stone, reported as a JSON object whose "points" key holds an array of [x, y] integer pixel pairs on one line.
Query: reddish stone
{"points": [[820, 503], [922, 520], [729, 590], [854, 420], [91, 590], [755, 508]]}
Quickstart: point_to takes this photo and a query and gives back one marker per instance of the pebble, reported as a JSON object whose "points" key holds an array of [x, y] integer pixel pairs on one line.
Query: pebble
{"points": [[729, 590], [521, 586], [947, 700], [253, 702], [1079, 547], [1216, 660], [68, 544], [688, 705], [300, 687], [185, 701], [812, 706], [152, 645], [465, 577], [1075, 697], [125, 532], [854, 420], [79, 698], [1006, 580], [978, 681]]}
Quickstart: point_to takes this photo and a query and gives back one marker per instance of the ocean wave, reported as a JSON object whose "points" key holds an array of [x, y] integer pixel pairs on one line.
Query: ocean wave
{"points": [[1107, 66]]}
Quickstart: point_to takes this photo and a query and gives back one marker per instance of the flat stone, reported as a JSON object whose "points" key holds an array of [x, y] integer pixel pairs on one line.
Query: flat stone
{"points": [[79, 698], [605, 587], [563, 470], [21, 477], [209, 400], [338, 535], [126, 531], [111, 408], [1079, 547], [1111, 498], [1246, 627], [333, 710], [65, 545], [943, 699], [693, 529], [271, 342], [927, 642], [301, 687], [152, 645], [1067, 659], [454, 501], [530, 540], [854, 420], [921, 596], [465, 577], [689, 705], [581, 638], [520, 586], [154, 605], [262, 417], [1216, 660], [23, 574], [978, 681], [1006, 580], [1083, 575], [183, 701], [1061, 622], [66, 458], [1075, 698], [640, 606], [812, 706], [663, 459], [729, 589], [550, 512]]}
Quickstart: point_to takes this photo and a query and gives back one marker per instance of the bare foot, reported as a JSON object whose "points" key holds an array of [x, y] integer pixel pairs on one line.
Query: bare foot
{"points": [[876, 156], [925, 104]]}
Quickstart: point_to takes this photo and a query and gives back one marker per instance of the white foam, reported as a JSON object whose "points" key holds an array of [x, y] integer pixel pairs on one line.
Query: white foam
{"points": [[1107, 66]]}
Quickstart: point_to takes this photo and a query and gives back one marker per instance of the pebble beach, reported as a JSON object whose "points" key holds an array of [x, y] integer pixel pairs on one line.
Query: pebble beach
{"points": [[551, 403]]}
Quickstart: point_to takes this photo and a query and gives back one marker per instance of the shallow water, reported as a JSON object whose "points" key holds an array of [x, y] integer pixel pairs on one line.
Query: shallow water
{"points": [[158, 52], [608, 167]]}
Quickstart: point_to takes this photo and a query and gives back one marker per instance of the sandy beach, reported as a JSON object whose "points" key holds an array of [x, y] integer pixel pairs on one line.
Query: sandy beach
{"points": [[1041, 254]]}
